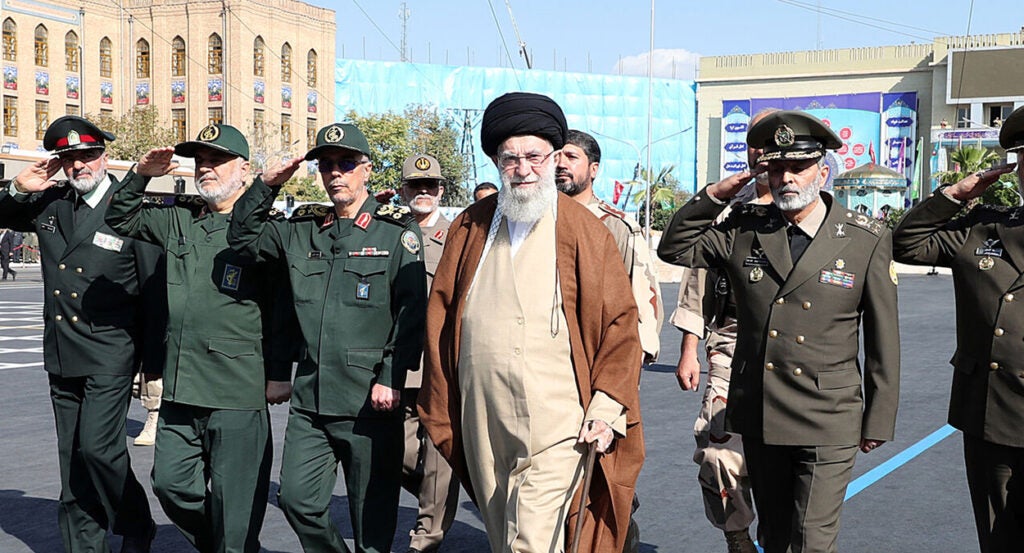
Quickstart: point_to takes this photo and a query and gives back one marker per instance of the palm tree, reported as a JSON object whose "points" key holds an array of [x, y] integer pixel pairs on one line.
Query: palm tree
{"points": [[663, 187], [967, 160]]}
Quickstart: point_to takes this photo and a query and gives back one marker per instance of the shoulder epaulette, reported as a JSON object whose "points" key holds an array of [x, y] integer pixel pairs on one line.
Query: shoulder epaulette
{"points": [[870, 224], [996, 208], [754, 210], [396, 214], [276, 214], [608, 208], [310, 211]]}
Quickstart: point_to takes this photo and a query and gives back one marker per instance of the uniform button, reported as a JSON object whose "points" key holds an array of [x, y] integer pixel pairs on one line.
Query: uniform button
{"points": [[999, 332], [59, 318], [56, 292], [1008, 297], [74, 295], [993, 365], [798, 371], [518, 351], [807, 305], [74, 318], [773, 333], [799, 339], [62, 266], [78, 269], [209, 238], [769, 366], [780, 301], [519, 321]]}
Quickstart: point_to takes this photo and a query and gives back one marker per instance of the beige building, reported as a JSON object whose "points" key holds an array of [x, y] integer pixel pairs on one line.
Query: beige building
{"points": [[949, 113], [247, 63]]}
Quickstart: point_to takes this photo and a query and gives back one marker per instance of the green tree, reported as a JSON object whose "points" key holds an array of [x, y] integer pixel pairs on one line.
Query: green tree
{"points": [[666, 197], [266, 150], [138, 131], [1003, 192], [967, 160]]}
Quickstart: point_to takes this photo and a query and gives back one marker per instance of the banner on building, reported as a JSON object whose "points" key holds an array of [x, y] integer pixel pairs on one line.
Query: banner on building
{"points": [[215, 90], [42, 82], [106, 92], [735, 119], [72, 85], [311, 99], [899, 132], [286, 97], [259, 89], [142, 94], [178, 91], [10, 77]]}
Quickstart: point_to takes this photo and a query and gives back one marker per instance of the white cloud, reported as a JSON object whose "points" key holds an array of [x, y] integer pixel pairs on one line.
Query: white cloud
{"points": [[669, 64]]}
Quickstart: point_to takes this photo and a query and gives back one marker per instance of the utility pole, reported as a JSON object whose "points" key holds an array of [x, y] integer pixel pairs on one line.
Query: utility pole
{"points": [[522, 44], [403, 14]]}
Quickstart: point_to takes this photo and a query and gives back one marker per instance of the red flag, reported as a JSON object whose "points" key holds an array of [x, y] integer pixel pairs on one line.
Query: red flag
{"points": [[619, 187], [871, 151]]}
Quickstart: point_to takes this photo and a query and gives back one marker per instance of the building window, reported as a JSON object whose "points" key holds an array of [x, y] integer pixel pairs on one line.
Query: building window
{"points": [[71, 51], [216, 116], [42, 46], [178, 57], [10, 116], [311, 58], [42, 118], [286, 131], [142, 59], [215, 55], [178, 124], [286, 63], [997, 113], [10, 40], [258, 62], [258, 120], [310, 133], [106, 60], [963, 117], [106, 113], [72, 109]]}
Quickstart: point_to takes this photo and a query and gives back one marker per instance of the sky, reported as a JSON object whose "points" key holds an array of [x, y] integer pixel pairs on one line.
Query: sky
{"points": [[613, 37]]}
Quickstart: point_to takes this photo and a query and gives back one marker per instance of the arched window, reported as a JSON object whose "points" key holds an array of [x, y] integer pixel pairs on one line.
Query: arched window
{"points": [[10, 40], [286, 63], [178, 57], [42, 46], [106, 60], [215, 55], [311, 69], [71, 51], [142, 59], [258, 61]]}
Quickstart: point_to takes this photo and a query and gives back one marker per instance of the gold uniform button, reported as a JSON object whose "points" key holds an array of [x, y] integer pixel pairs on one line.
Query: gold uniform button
{"points": [[74, 295], [78, 269], [56, 292], [773, 333], [62, 266], [807, 305], [519, 321], [769, 366], [798, 371], [1008, 297], [518, 351], [993, 365], [74, 318], [59, 318], [799, 339], [780, 301], [999, 332]]}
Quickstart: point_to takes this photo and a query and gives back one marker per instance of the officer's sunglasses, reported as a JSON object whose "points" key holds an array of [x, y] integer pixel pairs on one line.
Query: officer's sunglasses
{"points": [[342, 165]]}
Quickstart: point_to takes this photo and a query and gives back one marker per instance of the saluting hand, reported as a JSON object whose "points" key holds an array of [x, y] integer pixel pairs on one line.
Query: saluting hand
{"points": [[728, 187], [383, 398], [156, 163], [597, 431], [280, 173], [974, 185], [38, 176], [384, 196]]}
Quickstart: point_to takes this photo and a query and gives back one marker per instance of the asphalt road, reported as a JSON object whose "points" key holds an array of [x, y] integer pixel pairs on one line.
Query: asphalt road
{"points": [[920, 505]]}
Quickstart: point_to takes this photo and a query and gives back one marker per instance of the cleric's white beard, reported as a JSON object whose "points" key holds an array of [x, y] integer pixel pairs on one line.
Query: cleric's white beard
{"points": [[804, 197], [527, 205], [218, 193], [85, 185]]}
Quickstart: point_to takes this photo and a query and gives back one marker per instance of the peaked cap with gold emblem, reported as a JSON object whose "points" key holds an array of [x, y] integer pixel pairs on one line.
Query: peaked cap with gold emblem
{"points": [[223, 138], [792, 135], [1011, 134], [339, 135], [74, 133], [421, 166]]}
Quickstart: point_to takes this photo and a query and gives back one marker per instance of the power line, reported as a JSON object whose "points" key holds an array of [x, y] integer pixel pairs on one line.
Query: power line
{"points": [[381, 31], [963, 65], [501, 35], [838, 15], [859, 15]]}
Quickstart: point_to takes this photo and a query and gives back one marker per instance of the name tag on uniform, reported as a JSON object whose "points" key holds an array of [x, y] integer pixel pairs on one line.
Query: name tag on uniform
{"points": [[232, 277], [107, 242], [837, 278]]}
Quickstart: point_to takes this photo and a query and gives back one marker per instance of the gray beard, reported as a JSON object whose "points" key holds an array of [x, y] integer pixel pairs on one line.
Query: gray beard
{"points": [[422, 210], [217, 194], [85, 185], [805, 197], [527, 206]]}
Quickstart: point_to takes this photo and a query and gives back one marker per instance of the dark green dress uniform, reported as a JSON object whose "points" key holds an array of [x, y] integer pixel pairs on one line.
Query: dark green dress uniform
{"points": [[985, 250], [96, 287], [360, 296], [214, 425]]}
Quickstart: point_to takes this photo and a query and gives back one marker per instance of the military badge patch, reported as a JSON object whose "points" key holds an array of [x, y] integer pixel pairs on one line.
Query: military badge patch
{"points": [[892, 273], [422, 164], [74, 139], [334, 134], [837, 278], [363, 290], [756, 274], [363, 220], [990, 247], [232, 277], [209, 134], [986, 263], [107, 242], [410, 242], [784, 136]]}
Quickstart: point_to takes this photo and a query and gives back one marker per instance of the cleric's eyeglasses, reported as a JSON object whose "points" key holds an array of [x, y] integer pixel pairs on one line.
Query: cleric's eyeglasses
{"points": [[342, 165], [510, 161]]}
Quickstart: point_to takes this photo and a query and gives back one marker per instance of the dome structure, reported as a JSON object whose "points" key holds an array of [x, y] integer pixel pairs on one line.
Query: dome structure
{"points": [[871, 189]]}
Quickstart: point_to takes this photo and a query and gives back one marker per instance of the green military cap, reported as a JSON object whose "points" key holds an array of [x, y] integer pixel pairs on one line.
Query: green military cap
{"points": [[1011, 135], [792, 135], [421, 166], [339, 135], [74, 133], [223, 138]]}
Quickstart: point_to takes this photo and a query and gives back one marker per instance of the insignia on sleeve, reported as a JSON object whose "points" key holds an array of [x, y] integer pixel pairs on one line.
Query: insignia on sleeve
{"points": [[757, 210], [410, 242], [395, 214], [892, 273]]}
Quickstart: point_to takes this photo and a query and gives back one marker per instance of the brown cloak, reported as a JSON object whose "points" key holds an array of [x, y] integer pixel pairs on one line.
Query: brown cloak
{"points": [[606, 353]]}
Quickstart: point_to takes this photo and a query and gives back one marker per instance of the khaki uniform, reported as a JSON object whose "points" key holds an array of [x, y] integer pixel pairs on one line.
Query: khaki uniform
{"points": [[425, 473], [985, 250], [796, 380]]}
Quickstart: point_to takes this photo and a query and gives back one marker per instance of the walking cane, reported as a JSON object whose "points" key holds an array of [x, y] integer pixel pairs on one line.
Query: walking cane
{"points": [[588, 473]]}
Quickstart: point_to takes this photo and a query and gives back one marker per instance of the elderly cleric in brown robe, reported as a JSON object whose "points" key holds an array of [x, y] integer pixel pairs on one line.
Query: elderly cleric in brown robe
{"points": [[532, 349]]}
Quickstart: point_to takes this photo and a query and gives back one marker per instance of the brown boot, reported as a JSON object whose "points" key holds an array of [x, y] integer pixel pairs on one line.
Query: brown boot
{"points": [[739, 542]]}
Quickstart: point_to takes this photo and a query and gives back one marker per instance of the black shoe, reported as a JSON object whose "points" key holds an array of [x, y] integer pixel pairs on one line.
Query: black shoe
{"points": [[140, 543]]}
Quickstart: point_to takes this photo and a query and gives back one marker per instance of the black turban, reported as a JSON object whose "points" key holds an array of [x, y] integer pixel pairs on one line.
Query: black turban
{"points": [[520, 114]]}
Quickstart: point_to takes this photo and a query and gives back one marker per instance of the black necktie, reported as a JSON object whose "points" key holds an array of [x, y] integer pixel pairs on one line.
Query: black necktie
{"points": [[798, 241]]}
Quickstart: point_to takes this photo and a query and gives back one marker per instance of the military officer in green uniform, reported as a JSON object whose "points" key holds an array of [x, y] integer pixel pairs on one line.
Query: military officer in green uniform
{"points": [[359, 289], [807, 275], [985, 250], [425, 473], [97, 329], [211, 467]]}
